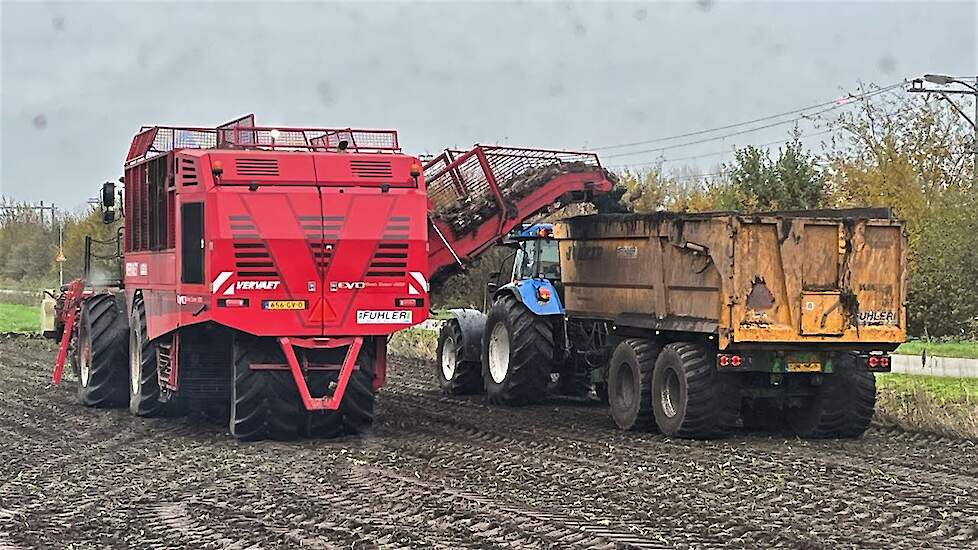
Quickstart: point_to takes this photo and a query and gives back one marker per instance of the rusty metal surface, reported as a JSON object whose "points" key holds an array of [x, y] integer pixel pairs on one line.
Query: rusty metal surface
{"points": [[829, 277]]}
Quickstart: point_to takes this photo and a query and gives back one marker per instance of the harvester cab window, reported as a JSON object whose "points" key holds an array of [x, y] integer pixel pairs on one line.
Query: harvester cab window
{"points": [[192, 243]]}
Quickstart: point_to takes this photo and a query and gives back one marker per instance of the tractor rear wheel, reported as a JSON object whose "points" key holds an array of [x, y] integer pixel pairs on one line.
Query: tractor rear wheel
{"points": [[264, 403], [842, 406], [690, 398], [517, 354], [455, 376], [101, 351], [144, 381], [629, 387]]}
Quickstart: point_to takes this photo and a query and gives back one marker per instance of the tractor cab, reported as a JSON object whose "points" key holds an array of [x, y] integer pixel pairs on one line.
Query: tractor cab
{"points": [[534, 278]]}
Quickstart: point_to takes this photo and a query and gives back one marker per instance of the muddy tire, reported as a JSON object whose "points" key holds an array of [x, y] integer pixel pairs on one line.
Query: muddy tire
{"points": [[842, 406], [455, 377], [517, 354], [144, 385], [103, 350], [322, 424], [264, 403], [690, 398], [357, 407], [630, 384]]}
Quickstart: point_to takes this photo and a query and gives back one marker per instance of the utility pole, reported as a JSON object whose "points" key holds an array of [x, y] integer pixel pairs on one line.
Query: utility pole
{"points": [[971, 88]]}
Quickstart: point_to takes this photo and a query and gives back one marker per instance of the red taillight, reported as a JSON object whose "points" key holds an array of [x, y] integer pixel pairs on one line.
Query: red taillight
{"points": [[409, 302], [232, 302], [874, 361], [736, 361], [885, 361], [724, 360], [543, 294]]}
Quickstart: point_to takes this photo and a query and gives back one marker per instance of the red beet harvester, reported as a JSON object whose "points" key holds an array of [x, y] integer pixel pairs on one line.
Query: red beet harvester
{"points": [[263, 269]]}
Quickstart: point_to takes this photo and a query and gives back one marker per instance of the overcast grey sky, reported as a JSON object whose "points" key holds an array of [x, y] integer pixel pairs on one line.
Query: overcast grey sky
{"points": [[78, 79]]}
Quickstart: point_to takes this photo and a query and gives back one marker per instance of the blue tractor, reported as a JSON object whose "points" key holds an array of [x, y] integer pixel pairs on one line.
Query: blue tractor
{"points": [[520, 349]]}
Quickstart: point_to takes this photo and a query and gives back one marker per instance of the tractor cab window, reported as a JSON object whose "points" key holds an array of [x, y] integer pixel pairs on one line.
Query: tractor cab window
{"points": [[523, 264], [548, 259]]}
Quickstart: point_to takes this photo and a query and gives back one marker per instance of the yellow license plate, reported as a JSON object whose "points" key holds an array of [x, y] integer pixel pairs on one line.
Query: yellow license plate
{"points": [[284, 304], [805, 367]]}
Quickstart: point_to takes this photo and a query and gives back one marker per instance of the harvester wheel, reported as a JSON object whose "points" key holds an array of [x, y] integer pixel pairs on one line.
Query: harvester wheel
{"points": [[691, 399], [629, 387], [357, 407], [517, 354], [144, 382], [356, 413], [102, 351], [455, 377], [842, 406], [264, 403]]}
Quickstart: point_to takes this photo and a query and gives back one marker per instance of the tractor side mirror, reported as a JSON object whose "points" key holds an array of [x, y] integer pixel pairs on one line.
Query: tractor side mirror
{"points": [[108, 216], [108, 194], [493, 282]]}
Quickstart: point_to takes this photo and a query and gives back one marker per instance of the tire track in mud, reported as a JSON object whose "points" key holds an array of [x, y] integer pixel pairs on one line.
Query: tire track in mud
{"points": [[448, 472], [834, 485]]}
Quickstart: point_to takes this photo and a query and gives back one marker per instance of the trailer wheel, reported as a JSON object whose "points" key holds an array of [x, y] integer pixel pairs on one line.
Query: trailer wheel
{"points": [[144, 382], [517, 354], [455, 377], [842, 406], [630, 384], [264, 403], [102, 349], [690, 398]]}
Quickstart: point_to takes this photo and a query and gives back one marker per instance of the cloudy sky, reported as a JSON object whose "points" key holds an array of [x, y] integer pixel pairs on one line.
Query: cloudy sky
{"points": [[78, 79]]}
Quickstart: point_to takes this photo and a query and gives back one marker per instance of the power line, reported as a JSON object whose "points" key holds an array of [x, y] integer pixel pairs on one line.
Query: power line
{"points": [[724, 152], [830, 105]]}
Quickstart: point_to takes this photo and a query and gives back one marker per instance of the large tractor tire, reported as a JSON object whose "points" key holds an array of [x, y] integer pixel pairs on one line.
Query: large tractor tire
{"points": [[842, 406], [517, 355], [691, 399], [356, 413], [455, 376], [144, 385], [102, 352], [264, 403], [630, 384]]}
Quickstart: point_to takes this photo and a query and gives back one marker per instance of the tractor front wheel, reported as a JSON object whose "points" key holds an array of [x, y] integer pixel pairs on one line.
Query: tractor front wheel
{"points": [[455, 375]]}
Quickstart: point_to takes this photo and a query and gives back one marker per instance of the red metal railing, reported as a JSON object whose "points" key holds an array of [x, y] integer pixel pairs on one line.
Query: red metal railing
{"points": [[484, 172], [157, 140]]}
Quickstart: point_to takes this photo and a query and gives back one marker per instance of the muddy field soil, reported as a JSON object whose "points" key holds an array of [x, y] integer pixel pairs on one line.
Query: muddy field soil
{"points": [[445, 472]]}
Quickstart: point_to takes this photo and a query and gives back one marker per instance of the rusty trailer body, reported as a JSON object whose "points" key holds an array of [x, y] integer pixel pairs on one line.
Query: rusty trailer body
{"points": [[791, 280]]}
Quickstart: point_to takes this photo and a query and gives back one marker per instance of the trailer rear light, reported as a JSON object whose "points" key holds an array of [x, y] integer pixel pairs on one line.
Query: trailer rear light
{"points": [[730, 360], [232, 302], [409, 302], [874, 361], [543, 294], [885, 361]]}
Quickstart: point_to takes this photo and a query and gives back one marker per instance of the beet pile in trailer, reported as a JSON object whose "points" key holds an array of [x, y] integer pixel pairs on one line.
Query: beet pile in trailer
{"points": [[262, 269]]}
